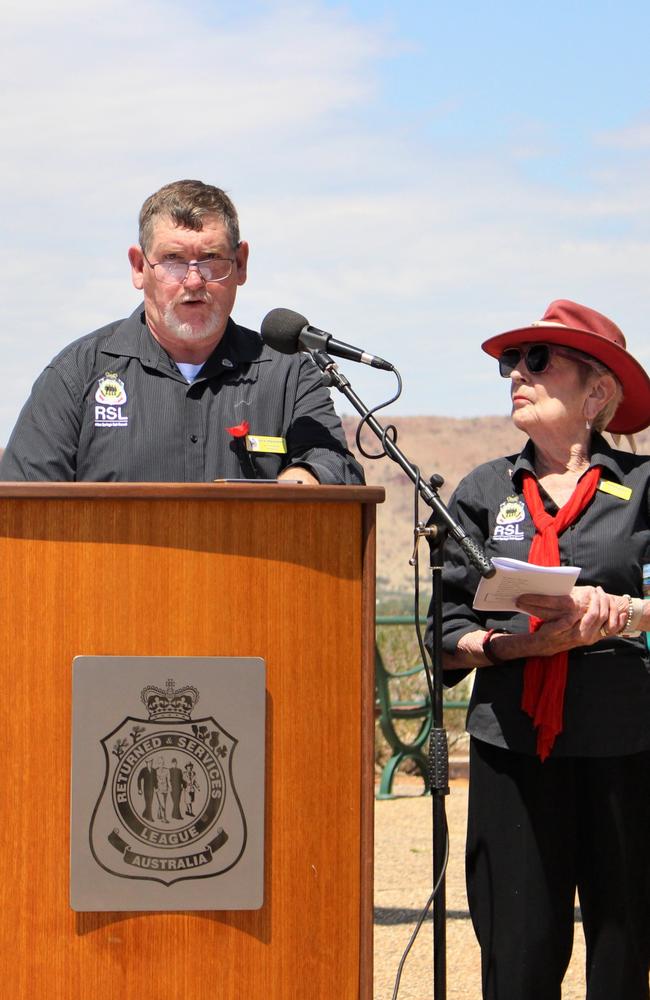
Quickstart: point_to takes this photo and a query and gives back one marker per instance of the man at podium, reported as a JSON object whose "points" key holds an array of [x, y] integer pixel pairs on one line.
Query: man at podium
{"points": [[178, 392]]}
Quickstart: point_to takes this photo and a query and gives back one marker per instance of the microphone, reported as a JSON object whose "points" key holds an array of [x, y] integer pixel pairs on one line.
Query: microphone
{"points": [[288, 332]]}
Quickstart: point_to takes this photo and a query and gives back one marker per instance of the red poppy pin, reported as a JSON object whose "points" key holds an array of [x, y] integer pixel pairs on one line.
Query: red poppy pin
{"points": [[239, 430]]}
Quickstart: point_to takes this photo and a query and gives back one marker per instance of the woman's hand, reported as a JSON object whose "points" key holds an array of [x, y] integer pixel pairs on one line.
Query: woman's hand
{"points": [[583, 617]]}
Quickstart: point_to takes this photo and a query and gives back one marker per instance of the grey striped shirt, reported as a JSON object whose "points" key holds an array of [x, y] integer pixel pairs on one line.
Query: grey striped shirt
{"points": [[113, 406]]}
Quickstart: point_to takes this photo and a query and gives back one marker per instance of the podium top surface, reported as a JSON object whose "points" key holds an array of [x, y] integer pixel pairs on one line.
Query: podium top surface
{"points": [[239, 490]]}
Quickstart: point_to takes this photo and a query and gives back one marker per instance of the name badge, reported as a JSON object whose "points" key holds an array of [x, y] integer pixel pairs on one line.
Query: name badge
{"points": [[264, 443], [616, 489]]}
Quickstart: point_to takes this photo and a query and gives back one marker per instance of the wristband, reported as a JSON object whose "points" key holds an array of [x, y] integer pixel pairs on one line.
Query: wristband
{"points": [[487, 646]]}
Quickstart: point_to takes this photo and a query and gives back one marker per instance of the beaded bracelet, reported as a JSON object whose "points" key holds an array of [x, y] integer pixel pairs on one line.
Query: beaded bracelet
{"points": [[634, 612], [630, 612]]}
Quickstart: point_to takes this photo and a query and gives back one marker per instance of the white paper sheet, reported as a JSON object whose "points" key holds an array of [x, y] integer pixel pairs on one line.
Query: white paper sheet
{"points": [[514, 578]]}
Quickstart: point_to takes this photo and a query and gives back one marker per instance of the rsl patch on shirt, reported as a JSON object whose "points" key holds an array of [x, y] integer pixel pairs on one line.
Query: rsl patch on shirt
{"points": [[509, 517], [110, 399]]}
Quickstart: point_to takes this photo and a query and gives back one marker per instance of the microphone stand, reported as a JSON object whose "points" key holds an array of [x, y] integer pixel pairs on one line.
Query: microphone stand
{"points": [[439, 526]]}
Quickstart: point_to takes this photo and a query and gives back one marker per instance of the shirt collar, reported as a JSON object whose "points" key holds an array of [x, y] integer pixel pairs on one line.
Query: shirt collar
{"points": [[601, 454], [238, 346], [133, 339]]}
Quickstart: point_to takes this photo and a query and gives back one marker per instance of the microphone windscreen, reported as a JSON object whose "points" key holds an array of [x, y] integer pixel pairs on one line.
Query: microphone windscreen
{"points": [[281, 329]]}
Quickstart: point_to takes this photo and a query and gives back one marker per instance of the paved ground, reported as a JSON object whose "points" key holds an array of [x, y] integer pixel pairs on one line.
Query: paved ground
{"points": [[402, 887]]}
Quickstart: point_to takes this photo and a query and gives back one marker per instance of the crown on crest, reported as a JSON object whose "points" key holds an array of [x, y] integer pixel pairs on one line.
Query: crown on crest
{"points": [[169, 704]]}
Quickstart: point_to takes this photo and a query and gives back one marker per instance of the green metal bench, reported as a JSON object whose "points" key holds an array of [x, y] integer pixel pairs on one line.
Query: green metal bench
{"points": [[389, 711]]}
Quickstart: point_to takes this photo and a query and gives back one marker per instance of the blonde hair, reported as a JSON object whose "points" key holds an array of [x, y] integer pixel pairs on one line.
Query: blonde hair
{"points": [[606, 414]]}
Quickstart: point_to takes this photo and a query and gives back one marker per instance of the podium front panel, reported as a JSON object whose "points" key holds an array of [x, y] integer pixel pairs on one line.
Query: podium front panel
{"points": [[211, 576]]}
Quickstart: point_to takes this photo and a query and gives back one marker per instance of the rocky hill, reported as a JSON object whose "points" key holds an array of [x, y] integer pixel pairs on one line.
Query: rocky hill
{"points": [[443, 445]]}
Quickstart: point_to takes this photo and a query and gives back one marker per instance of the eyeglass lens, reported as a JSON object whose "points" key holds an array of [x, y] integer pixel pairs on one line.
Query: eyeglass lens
{"points": [[536, 358], [210, 270]]}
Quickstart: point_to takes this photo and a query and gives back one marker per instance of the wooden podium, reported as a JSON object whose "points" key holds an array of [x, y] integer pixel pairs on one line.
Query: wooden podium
{"points": [[281, 572]]}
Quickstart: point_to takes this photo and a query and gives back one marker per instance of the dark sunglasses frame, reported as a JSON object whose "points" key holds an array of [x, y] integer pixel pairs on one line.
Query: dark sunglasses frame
{"points": [[536, 357]]}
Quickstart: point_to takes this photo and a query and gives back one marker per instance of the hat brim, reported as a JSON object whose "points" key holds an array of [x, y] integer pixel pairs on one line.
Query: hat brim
{"points": [[633, 413]]}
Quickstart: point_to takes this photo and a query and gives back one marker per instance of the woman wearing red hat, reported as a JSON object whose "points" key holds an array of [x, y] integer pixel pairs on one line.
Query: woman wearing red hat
{"points": [[560, 711]]}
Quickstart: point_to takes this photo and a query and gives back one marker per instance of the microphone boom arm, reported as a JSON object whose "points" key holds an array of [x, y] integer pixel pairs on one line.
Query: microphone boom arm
{"points": [[427, 491]]}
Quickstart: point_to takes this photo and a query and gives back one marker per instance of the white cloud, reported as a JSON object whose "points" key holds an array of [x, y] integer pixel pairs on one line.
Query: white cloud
{"points": [[375, 228], [629, 138]]}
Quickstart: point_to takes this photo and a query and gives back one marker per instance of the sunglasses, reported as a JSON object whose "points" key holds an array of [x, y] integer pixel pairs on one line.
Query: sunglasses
{"points": [[537, 358]]}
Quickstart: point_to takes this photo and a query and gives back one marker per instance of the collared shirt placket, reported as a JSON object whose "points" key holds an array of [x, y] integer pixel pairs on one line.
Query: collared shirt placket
{"points": [[194, 432]]}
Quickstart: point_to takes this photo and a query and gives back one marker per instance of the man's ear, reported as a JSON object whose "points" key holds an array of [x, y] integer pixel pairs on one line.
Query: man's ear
{"points": [[136, 260], [241, 260]]}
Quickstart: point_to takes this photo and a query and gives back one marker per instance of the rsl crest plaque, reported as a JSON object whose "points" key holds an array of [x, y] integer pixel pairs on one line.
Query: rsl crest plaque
{"points": [[167, 783]]}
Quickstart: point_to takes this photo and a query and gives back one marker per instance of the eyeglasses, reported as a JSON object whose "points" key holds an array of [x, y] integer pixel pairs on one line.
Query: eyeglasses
{"points": [[173, 272], [537, 358]]}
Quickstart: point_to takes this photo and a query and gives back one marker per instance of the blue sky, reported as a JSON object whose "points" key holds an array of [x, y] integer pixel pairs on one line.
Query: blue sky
{"points": [[413, 177]]}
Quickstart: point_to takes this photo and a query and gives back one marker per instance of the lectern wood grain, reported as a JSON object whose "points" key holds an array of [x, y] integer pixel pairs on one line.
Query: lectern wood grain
{"points": [[203, 571]]}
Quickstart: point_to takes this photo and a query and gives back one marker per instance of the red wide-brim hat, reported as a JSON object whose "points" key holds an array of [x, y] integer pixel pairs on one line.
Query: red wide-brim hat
{"points": [[572, 325]]}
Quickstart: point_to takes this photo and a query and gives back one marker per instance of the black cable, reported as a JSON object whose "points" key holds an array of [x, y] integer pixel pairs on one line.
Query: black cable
{"points": [[428, 673], [427, 664], [390, 431], [423, 916]]}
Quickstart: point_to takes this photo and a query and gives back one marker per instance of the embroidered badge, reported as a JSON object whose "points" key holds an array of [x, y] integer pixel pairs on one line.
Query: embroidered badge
{"points": [[111, 390], [615, 489], [511, 511], [510, 514], [110, 397], [266, 444]]}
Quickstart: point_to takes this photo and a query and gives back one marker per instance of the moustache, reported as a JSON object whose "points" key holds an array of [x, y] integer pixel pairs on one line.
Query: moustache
{"points": [[192, 297]]}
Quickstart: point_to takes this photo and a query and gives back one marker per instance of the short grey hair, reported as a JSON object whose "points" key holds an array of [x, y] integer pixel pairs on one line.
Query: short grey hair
{"points": [[188, 203]]}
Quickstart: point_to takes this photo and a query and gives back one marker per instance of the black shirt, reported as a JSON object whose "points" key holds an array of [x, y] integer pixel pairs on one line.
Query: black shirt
{"points": [[607, 699], [113, 406]]}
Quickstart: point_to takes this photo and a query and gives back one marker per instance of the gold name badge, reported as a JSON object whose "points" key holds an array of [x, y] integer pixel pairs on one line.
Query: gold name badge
{"points": [[616, 489], [262, 443]]}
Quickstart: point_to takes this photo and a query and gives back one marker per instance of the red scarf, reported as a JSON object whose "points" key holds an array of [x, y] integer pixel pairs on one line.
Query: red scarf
{"points": [[545, 676]]}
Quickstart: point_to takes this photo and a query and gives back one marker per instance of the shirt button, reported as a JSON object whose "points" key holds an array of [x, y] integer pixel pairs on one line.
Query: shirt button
{"points": [[193, 438]]}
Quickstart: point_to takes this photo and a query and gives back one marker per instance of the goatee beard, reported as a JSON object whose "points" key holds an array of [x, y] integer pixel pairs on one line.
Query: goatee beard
{"points": [[189, 331]]}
